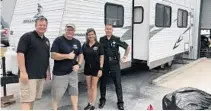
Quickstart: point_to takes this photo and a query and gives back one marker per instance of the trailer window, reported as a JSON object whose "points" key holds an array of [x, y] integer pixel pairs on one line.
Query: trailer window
{"points": [[114, 14], [182, 16], [162, 16], [138, 15]]}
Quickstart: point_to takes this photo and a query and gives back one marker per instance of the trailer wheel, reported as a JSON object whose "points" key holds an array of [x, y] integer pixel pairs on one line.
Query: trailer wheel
{"points": [[163, 66], [169, 64]]}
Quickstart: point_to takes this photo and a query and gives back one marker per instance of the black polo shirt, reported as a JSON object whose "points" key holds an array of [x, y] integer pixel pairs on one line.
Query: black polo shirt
{"points": [[64, 46], [92, 55], [36, 52], [111, 46]]}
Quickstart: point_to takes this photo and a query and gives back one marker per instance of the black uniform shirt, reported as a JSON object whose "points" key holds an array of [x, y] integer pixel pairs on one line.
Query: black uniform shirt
{"points": [[92, 55], [64, 46], [36, 52], [111, 46]]}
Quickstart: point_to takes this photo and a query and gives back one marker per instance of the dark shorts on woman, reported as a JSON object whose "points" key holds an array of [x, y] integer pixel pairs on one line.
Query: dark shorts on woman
{"points": [[90, 71]]}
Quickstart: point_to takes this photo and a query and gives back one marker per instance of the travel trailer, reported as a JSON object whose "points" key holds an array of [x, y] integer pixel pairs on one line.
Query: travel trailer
{"points": [[156, 30]]}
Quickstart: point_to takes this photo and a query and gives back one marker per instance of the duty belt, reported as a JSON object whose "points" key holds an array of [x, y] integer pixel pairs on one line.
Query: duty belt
{"points": [[112, 58]]}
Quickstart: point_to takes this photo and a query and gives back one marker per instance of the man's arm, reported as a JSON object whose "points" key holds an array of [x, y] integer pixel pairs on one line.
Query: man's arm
{"points": [[55, 51], [80, 59], [48, 73], [21, 63], [48, 68], [58, 56], [126, 52], [101, 55], [21, 50], [124, 45]]}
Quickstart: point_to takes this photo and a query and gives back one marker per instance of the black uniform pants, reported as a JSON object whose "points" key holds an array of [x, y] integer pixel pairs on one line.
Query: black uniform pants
{"points": [[113, 71]]}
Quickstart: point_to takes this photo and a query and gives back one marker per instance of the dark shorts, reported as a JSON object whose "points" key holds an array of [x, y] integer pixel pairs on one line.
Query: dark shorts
{"points": [[91, 71]]}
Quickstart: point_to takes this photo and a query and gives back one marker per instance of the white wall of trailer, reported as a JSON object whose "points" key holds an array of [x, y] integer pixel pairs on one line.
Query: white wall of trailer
{"points": [[83, 13], [147, 45], [26, 10], [91, 14], [163, 39]]}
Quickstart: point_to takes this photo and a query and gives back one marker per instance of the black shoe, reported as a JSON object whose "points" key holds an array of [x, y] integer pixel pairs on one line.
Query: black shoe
{"points": [[120, 106], [92, 108], [102, 103], [88, 107]]}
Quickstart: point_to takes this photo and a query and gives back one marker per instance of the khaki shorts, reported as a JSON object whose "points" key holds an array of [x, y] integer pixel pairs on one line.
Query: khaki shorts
{"points": [[31, 90]]}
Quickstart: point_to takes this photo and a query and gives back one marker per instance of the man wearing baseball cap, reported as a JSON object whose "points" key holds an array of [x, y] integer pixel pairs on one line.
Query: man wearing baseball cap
{"points": [[66, 50]]}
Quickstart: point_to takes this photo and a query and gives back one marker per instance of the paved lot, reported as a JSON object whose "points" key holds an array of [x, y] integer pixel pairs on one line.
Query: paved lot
{"points": [[137, 90], [197, 75]]}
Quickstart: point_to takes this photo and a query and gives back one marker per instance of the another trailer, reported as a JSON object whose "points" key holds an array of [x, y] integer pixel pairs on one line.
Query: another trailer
{"points": [[157, 30]]}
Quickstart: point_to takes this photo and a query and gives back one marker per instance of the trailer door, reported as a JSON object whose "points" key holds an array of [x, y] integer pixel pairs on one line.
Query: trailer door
{"points": [[140, 29]]}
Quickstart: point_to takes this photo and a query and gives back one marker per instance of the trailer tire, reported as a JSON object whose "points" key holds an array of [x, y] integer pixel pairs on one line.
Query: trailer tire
{"points": [[169, 64], [163, 66]]}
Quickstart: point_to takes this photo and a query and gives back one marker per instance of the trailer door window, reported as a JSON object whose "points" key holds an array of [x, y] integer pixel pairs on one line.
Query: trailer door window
{"points": [[114, 14], [162, 16], [138, 14], [167, 17], [182, 18]]}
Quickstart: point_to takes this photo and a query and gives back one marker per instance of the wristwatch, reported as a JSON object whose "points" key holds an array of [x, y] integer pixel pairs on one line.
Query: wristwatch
{"points": [[79, 65]]}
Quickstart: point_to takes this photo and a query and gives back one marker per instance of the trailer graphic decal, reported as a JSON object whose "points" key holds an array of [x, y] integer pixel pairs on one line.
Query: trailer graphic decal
{"points": [[180, 38], [39, 13], [128, 34], [154, 32]]}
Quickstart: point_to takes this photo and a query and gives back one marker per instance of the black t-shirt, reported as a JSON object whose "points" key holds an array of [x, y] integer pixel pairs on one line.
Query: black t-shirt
{"points": [[92, 55], [64, 46], [111, 46], [36, 52]]}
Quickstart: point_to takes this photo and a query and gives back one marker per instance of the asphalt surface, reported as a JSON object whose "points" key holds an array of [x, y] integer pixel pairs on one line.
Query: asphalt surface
{"points": [[138, 92]]}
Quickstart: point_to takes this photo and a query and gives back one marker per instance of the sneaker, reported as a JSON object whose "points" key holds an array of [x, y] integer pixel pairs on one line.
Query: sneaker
{"points": [[88, 107], [92, 108]]}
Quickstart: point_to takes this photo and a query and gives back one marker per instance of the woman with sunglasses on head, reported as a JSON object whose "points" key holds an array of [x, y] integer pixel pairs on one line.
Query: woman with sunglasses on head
{"points": [[94, 58]]}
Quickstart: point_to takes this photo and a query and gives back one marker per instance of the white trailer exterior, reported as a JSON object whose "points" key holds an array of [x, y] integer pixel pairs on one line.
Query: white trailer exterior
{"points": [[84, 14], [134, 21], [166, 30]]}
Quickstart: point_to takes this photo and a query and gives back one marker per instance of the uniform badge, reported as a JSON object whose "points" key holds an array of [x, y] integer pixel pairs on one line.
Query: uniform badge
{"points": [[75, 46], [95, 48], [113, 44], [47, 43]]}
